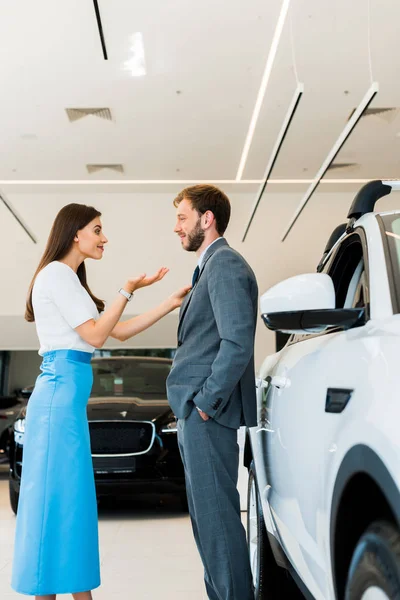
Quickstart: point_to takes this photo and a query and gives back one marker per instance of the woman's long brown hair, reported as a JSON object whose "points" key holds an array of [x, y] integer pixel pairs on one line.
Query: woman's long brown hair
{"points": [[68, 222]]}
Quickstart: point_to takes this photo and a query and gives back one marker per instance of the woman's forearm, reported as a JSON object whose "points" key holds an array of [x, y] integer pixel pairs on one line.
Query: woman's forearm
{"points": [[127, 329], [97, 332]]}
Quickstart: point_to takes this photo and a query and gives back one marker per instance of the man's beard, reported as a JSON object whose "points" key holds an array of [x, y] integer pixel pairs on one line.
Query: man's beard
{"points": [[195, 237]]}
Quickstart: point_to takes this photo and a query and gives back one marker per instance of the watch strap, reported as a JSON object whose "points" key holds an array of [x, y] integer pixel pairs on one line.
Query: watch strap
{"points": [[126, 294]]}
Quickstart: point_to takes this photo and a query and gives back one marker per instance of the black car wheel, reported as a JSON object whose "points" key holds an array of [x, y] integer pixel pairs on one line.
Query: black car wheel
{"points": [[375, 567], [270, 581], [14, 496]]}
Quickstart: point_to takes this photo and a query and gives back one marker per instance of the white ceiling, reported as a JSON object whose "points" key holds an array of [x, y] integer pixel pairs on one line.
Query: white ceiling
{"points": [[214, 54]]}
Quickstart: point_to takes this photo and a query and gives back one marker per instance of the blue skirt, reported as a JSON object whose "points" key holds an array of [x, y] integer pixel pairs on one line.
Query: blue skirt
{"points": [[56, 543]]}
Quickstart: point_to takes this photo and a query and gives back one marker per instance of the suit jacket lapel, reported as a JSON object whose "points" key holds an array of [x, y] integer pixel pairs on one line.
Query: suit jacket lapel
{"points": [[210, 251]]}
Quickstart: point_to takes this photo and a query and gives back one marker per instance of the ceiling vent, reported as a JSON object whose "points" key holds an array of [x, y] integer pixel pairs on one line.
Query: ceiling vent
{"points": [[111, 167], [386, 114], [343, 166], [74, 114]]}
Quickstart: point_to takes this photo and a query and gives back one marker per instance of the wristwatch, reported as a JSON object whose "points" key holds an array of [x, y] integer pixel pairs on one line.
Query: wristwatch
{"points": [[126, 294]]}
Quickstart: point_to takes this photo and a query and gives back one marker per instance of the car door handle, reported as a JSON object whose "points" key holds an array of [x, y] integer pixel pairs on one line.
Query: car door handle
{"points": [[280, 382]]}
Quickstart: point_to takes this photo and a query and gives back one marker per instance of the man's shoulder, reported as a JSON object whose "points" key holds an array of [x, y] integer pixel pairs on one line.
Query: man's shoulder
{"points": [[226, 254], [224, 251]]}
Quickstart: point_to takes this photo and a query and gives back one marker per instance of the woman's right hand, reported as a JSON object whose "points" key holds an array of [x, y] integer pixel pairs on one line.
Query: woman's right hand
{"points": [[144, 281], [177, 298]]}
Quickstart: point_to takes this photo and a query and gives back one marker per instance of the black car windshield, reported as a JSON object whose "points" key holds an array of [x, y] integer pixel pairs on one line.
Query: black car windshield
{"points": [[129, 378], [392, 230]]}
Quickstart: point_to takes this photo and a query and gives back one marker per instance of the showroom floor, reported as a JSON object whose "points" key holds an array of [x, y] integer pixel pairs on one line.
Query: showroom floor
{"points": [[147, 551]]}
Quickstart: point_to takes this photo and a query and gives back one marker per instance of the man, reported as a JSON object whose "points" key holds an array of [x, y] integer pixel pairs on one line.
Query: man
{"points": [[211, 387]]}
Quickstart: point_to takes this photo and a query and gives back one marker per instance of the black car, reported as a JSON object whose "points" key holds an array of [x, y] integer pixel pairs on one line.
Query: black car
{"points": [[132, 430], [10, 407]]}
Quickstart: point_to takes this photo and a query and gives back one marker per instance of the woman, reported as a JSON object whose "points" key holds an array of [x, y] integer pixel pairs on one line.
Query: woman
{"points": [[56, 545]]}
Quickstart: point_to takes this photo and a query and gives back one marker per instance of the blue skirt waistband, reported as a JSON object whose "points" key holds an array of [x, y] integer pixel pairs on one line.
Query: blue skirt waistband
{"points": [[77, 355]]}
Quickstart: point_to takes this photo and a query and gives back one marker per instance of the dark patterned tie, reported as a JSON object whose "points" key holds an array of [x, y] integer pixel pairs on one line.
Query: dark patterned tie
{"points": [[195, 276]]}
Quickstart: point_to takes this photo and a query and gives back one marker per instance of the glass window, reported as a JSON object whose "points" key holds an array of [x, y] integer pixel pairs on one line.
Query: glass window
{"points": [[346, 270], [124, 377], [391, 227]]}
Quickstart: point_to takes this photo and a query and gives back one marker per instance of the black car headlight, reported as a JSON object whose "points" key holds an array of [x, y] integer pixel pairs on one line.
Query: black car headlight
{"points": [[19, 430]]}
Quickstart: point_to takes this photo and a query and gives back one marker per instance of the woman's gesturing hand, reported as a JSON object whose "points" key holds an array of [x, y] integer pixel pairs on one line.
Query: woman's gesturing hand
{"points": [[144, 281], [177, 297]]}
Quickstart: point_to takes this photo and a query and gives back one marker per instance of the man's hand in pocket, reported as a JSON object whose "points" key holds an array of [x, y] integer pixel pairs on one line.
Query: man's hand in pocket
{"points": [[203, 415]]}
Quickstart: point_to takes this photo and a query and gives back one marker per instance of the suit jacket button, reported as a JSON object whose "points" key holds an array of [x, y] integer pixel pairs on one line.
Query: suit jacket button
{"points": [[179, 343]]}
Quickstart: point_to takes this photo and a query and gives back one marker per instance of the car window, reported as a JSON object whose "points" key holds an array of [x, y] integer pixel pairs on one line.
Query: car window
{"points": [[346, 269], [129, 378], [355, 291], [391, 238], [360, 299]]}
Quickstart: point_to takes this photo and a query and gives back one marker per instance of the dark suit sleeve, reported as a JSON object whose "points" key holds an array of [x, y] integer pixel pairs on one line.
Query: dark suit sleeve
{"points": [[231, 288]]}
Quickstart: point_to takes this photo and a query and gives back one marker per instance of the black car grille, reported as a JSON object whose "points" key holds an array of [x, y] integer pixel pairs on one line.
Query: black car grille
{"points": [[120, 437]]}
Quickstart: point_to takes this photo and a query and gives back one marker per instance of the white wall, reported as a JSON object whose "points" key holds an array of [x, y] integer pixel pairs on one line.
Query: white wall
{"points": [[141, 238], [140, 230]]}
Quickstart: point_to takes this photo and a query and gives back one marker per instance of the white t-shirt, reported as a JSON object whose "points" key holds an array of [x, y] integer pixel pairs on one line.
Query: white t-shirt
{"points": [[60, 304]]}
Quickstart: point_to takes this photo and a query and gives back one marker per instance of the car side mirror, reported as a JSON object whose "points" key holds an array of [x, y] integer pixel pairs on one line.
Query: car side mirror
{"points": [[315, 321], [306, 304]]}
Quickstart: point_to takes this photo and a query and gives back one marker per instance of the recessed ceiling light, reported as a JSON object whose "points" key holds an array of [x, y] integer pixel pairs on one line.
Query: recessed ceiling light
{"points": [[118, 168], [74, 114], [136, 64]]}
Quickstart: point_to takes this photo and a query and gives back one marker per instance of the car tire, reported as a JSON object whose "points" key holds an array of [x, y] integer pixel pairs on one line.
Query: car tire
{"points": [[14, 497], [376, 564], [270, 581]]}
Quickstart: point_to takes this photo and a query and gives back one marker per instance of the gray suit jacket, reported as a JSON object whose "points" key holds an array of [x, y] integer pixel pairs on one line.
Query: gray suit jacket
{"points": [[213, 367]]}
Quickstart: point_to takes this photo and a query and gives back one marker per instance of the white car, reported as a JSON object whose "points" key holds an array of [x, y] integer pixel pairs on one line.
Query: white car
{"points": [[324, 459]]}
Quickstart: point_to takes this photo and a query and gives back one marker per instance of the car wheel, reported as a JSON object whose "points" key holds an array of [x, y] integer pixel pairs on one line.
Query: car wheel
{"points": [[374, 572], [270, 581], [14, 496]]}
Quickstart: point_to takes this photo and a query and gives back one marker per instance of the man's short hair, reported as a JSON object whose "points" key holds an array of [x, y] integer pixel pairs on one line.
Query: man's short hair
{"points": [[205, 197]]}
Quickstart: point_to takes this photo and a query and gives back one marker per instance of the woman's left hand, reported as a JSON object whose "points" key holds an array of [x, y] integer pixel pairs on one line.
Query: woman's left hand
{"points": [[178, 297], [145, 281]]}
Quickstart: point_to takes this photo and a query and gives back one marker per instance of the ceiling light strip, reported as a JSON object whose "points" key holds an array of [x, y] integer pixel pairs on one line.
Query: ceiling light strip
{"points": [[125, 182], [17, 218], [263, 87], [275, 152], [356, 116], [242, 182], [100, 28]]}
